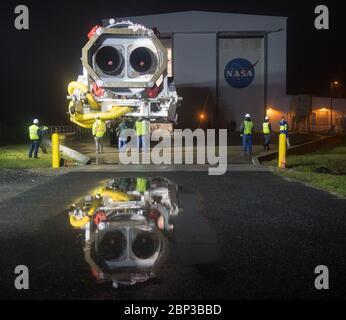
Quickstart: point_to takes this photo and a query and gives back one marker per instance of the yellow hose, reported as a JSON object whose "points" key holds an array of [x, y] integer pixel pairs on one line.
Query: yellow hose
{"points": [[96, 203], [87, 120], [94, 206], [83, 125], [114, 113], [80, 223], [114, 195], [84, 88]]}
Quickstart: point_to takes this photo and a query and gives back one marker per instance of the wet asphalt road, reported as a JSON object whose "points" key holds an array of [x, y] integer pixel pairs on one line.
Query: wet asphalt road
{"points": [[244, 235]]}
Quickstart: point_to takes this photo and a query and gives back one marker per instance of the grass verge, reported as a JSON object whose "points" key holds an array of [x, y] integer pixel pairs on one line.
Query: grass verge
{"points": [[324, 169], [16, 157]]}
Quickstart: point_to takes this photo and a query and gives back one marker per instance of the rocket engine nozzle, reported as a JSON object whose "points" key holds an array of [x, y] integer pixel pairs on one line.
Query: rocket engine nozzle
{"points": [[123, 57], [142, 59], [109, 60], [125, 72]]}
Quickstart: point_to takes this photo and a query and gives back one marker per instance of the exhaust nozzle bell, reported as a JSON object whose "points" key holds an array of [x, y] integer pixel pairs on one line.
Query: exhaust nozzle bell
{"points": [[141, 59], [109, 61]]}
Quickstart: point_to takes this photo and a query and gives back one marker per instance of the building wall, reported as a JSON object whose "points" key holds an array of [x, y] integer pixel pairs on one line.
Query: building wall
{"points": [[235, 102], [195, 79], [300, 113], [308, 113], [278, 101], [195, 48], [322, 113]]}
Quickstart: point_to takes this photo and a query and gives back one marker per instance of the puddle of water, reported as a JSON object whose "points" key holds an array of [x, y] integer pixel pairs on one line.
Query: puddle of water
{"points": [[127, 225], [132, 226]]}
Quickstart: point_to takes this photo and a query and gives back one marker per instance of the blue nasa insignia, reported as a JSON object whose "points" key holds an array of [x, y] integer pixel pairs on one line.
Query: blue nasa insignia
{"points": [[240, 73]]}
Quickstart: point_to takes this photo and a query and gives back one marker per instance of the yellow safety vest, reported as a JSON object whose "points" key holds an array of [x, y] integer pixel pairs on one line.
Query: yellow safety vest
{"points": [[266, 127], [99, 128], [284, 127], [33, 132], [248, 126], [142, 185]]}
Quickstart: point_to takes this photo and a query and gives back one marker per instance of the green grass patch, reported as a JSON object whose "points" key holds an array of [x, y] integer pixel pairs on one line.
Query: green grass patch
{"points": [[16, 157], [324, 169], [331, 183]]}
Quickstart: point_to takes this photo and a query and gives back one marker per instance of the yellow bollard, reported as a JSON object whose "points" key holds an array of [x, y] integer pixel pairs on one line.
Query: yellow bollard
{"points": [[55, 151], [282, 151]]}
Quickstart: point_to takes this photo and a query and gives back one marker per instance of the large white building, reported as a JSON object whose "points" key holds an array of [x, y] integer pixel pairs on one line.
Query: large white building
{"points": [[225, 65]]}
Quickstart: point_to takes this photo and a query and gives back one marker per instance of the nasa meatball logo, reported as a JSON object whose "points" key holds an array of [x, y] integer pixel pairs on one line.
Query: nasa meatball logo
{"points": [[240, 73]]}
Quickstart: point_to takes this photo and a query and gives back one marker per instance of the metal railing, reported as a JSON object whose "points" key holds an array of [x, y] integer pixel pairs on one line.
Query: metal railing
{"points": [[74, 131]]}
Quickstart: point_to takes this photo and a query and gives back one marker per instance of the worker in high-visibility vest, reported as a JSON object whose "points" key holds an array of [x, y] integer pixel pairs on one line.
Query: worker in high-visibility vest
{"points": [[122, 138], [35, 137], [284, 129], [246, 131], [267, 130], [138, 130], [142, 128], [141, 185], [99, 130]]}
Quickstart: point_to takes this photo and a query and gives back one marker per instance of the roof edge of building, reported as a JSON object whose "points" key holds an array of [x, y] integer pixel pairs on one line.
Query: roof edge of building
{"points": [[207, 12]]}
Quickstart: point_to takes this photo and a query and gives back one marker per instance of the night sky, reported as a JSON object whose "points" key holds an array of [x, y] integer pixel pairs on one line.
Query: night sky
{"points": [[37, 64]]}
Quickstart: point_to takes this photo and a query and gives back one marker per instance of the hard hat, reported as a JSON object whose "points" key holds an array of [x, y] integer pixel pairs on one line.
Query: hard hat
{"points": [[247, 116], [36, 121], [266, 118]]}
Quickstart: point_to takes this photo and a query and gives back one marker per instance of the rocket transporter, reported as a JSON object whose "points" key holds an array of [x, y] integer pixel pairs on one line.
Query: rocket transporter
{"points": [[124, 73]]}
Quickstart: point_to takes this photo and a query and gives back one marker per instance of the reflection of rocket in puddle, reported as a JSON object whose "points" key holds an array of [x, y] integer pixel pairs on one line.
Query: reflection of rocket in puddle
{"points": [[128, 226]]}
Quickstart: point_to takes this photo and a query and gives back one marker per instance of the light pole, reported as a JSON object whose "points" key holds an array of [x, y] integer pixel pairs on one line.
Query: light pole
{"points": [[332, 84]]}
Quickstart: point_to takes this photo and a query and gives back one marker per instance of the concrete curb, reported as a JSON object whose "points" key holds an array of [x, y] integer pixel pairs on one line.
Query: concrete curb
{"points": [[299, 149]]}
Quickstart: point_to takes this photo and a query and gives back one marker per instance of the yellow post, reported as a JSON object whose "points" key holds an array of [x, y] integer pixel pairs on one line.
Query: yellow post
{"points": [[55, 151], [282, 151]]}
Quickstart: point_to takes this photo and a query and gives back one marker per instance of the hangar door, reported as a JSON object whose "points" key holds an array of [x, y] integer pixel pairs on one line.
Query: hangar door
{"points": [[241, 80], [194, 69]]}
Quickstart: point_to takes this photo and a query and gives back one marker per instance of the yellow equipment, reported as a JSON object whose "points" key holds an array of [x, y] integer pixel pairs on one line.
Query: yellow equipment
{"points": [[282, 151], [77, 222], [98, 195], [87, 120], [116, 196], [55, 151]]}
